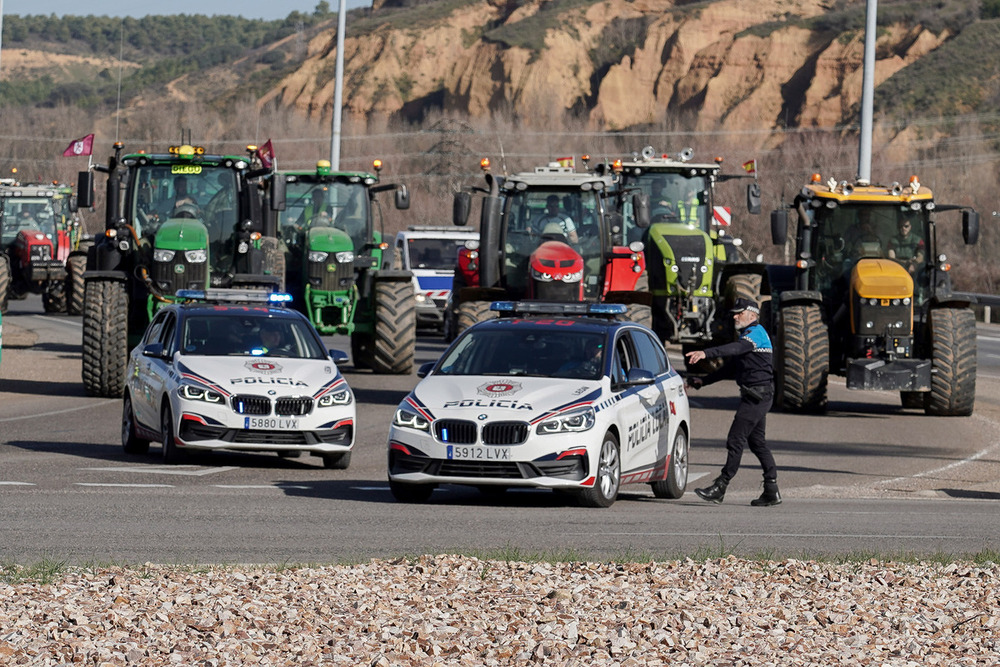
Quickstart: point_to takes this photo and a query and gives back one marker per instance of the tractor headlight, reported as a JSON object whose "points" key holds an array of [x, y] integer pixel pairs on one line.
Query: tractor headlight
{"points": [[195, 393], [406, 419], [573, 277], [571, 422], [161, 255], [196, 256], [318, 256], [336, 398], [344, 257], [539, 275]]}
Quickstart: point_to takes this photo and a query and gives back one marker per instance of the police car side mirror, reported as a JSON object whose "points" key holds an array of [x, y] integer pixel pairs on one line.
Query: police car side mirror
{"points": [[425, 369], [338, 356], [154, 351], [639, 376]]}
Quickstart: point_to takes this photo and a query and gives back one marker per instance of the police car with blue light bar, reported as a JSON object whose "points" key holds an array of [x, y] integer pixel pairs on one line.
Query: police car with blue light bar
{"points": [[561, 396], [234, 369]]}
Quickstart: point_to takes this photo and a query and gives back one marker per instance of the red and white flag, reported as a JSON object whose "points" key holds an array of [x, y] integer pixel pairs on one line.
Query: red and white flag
{"points": [[266, 154], [750, 166], [82, 146]]}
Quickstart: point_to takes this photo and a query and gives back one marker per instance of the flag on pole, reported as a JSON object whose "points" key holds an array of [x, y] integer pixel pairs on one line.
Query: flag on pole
{"points": [[750, 166], [82, 146], [266, 154]]}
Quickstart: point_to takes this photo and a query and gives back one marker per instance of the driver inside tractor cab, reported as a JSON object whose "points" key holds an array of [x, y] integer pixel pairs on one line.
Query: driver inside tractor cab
{"points": [[553, 218], [220, 216], [907, 247], [182, 197], [351, 220], [316, 213]]}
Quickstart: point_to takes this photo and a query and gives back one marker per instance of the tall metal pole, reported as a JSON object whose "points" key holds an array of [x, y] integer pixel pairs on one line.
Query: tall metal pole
{"points": [[338, 88], [867, 97], [1, 26]]}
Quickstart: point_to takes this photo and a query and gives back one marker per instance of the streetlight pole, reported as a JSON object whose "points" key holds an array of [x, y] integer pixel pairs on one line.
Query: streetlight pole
{"points": [[338, 88]]}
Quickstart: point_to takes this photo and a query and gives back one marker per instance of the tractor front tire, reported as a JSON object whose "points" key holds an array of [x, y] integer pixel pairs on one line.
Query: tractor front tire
{"points": [[395, 327], [472, 312], [953, 355], [75, 266], [54, 298], [105, 338], [803, 363]]}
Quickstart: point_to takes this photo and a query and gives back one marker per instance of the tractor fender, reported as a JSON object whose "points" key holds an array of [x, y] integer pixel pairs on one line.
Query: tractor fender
{"points": [[119, 276], [393, 275], [950, 300], [799, 298], [725, 271]]}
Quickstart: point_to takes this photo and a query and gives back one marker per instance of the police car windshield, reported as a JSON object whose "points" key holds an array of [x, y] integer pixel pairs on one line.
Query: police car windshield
{"points": [[249, 335], [534, 351], [433, 253]]}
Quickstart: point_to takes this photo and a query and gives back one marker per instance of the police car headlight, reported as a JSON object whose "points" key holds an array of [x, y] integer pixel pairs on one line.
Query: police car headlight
{"points": [[571, 422], [345, 257], [318, 256], [161, 255], [573, 277], [194, 393], [406, 419], [196, 256], [420, 298], [336, 398]]}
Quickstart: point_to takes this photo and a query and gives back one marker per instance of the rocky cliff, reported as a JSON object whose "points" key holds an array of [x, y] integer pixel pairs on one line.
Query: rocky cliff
{"points": [[618, 63]]}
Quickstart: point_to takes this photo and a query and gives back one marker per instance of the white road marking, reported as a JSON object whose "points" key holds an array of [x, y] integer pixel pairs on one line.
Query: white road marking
{"points": [[57, 412], [188, 470], [260, 486], [369, 488], [866, 536], [969, 459], [128, 486], [16, 484]]}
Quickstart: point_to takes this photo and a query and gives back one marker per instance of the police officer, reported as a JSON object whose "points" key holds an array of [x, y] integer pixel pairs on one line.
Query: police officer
{"points": [[749, 362]]}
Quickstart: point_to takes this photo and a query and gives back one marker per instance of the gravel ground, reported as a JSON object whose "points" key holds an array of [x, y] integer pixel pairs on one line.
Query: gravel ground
{"points": [[451, 610]]}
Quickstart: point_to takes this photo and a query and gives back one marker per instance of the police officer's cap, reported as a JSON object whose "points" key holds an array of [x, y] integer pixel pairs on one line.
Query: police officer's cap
{"points": [[742, 304]]}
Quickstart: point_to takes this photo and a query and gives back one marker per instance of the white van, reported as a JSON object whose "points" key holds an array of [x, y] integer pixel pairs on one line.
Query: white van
{"points": [[431, 254]]}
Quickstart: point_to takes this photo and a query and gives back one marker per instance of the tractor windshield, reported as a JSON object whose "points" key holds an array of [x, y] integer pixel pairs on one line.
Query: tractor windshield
{"points": [[535, 216], [27, 214], [338, 204], [846, 234], [176, 191], [673, 197]]}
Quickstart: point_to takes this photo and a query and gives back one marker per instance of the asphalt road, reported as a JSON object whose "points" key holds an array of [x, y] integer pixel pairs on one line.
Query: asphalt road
{"points": [[866, 478]]}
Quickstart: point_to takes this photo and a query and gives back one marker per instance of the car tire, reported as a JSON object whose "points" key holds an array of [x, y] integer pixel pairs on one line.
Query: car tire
{"points": [[171, 454], [410, 493], [337, 461], [131, 443], [604, 492], [677, 472]]}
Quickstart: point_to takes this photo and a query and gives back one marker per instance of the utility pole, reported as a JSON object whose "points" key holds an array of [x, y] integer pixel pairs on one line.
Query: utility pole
{"points": [[867, 97], [338, 88], [1, 28]]}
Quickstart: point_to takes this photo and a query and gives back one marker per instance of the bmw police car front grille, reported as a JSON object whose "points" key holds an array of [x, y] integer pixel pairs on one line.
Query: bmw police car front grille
{"points": [[505, 433], [251, 405], [456, 431], [480, 469], [287, 407]]}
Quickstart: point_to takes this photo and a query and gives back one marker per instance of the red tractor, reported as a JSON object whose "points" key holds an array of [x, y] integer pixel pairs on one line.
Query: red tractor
{"points": [[36, 235], [550, 234]]}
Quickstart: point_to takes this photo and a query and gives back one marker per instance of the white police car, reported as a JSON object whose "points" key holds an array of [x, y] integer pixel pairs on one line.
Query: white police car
{"points": [[558, 396], [430, 253], [230, 370]]}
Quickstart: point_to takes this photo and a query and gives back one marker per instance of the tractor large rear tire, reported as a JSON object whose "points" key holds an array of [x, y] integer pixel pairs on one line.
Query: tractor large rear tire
{"points": [[4, 282], [742, 285], [803, 360], [472, 312], [75, 266], [105, 338], [640, 313], [953, 352], [395, 327]]}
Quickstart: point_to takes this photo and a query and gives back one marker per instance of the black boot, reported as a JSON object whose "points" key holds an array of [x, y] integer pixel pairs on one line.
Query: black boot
{"points": [[771, 495], [716, 492]]}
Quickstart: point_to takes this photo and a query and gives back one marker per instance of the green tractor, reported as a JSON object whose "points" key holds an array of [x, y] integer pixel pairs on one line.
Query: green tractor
{"points": [[336, 265], [178, 220], [695, 267]]}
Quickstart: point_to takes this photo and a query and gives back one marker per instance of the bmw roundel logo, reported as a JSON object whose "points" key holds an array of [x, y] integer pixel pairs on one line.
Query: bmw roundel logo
{"points": [[481, 417], [271, 392]]}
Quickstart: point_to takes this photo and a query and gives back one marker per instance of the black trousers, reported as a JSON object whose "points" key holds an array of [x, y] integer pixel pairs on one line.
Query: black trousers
{"points": [[747, 430]]}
